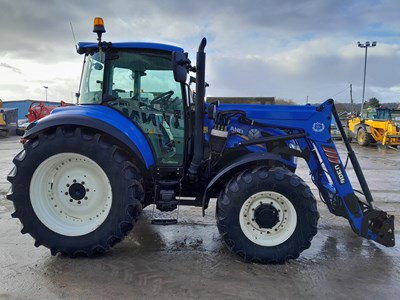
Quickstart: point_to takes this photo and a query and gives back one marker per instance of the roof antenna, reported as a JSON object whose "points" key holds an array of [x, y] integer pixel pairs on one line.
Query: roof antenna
{"points": [[73, 35]]}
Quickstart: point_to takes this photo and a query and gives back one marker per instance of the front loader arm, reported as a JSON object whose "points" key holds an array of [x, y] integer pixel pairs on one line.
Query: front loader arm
{"points": [[341, 200], [338, 192]]}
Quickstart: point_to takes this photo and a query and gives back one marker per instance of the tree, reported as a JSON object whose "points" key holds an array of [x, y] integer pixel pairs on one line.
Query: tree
{"points": [[373, 102]]}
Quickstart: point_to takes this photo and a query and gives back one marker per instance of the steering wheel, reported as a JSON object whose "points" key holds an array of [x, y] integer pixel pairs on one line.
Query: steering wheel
{"points": [[148, 106], [163, 99]]}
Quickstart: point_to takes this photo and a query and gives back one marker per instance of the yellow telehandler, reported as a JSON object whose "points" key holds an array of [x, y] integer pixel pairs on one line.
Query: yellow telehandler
{"points": [[379, 125]]}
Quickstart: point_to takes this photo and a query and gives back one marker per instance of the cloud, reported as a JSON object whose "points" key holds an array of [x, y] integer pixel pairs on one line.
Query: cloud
{"points": [[14, 69]]}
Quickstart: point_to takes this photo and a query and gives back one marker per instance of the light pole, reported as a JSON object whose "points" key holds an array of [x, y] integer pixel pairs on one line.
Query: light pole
{"points": [[366, 45], [45, 88]]}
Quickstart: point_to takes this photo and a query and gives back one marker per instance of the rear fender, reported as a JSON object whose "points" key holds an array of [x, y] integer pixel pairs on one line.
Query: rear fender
{"points": [[100, 118], [240, 164], [367, 128]]}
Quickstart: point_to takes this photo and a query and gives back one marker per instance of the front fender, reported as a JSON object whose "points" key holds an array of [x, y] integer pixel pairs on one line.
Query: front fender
{"points": [[239, 163], [101, 118]]}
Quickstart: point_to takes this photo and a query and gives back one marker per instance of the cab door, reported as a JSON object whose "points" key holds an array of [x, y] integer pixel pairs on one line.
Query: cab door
{"points": [[143, 88]]}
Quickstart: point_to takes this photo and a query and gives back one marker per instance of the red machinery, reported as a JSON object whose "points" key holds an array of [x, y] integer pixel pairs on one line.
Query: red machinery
{"points": [[38, 110]]}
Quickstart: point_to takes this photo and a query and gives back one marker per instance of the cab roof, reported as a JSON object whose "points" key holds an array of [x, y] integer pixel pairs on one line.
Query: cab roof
{"points": [[82, 46]]}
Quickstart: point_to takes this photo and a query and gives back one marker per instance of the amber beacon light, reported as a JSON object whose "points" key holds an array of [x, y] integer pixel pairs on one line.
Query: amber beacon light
{"points": [[98, 25]]}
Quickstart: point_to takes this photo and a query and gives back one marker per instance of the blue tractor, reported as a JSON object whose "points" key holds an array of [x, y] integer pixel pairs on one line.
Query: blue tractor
{"points": [[141, 136]]}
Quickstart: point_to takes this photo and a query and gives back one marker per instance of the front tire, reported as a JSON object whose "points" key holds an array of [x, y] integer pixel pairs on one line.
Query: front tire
{"points": [[75, 192], [363, 137], [267, 216]]}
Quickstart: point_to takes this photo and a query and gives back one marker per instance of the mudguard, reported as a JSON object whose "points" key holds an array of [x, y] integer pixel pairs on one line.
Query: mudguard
{"points": [[250, 158], [101, 118]]}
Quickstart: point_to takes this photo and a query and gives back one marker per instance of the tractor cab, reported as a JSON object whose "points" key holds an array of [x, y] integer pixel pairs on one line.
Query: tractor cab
{"points": [[137, 79]]}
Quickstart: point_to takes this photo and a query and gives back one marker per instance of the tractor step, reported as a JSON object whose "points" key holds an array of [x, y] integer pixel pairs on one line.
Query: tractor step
{"points": [[166, 204], [164, 221], [164, 217]]}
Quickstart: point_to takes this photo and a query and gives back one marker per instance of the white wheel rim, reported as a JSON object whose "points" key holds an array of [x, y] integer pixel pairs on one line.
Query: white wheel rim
{"points": [[279, 232], [70, 194]]}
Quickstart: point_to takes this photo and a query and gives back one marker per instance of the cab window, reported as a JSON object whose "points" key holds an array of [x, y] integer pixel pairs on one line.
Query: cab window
{"points": [[143, 88]]}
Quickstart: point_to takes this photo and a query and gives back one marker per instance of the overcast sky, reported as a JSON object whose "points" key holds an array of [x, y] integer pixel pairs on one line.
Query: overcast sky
{"points": [[283, 48]]}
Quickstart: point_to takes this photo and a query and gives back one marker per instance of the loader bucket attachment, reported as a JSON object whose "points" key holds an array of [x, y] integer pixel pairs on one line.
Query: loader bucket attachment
{"points": [[381, 224]]}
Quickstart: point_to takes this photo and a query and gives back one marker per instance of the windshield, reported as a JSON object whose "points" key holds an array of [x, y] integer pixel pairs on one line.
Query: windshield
{"points": [[144, 76], [92, 79]]}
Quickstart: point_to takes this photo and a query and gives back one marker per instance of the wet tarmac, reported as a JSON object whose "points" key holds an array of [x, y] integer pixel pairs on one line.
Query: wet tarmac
{"points": [[189, 260]]}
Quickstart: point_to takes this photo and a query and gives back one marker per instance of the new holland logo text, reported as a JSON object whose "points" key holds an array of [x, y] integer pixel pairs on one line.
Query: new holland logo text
{"points": [[334, 161], [339, 174]]}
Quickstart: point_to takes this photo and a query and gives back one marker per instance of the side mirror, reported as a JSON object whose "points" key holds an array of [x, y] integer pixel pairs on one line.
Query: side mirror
{"points": [[180, 62], [97, 66]]}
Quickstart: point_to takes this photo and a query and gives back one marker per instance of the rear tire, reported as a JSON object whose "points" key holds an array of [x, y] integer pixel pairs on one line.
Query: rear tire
{"points": [[267, 216], [75, 192], [363, 137]]}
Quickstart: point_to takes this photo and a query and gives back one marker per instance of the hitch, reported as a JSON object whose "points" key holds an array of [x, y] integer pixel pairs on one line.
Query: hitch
{"points": [[381, 224]]}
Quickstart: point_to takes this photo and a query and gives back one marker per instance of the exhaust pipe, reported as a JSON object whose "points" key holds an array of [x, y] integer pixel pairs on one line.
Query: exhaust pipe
{"points": [[199, 112]]}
